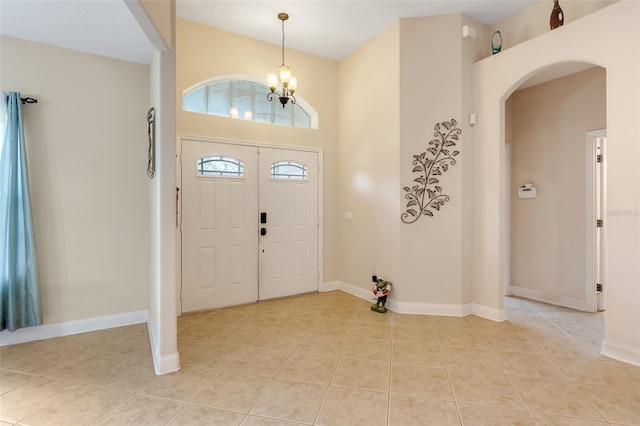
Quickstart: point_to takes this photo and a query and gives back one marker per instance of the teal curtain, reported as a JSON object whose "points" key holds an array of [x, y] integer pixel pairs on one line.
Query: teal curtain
{"points": [[19, 287]]}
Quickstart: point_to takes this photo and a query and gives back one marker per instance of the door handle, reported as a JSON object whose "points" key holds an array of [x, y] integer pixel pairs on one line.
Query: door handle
{"points": [[263, 231]]}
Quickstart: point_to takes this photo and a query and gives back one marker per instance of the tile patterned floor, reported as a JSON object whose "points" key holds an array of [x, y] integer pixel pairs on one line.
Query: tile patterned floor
{"points": [[326, 359]]}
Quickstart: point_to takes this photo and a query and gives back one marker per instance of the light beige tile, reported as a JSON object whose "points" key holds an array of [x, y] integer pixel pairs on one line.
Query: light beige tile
{"points": [[9, 380], [484, 389], [84, 367], [555, 420], [182, 385], [553, 397], [210, 354], [263, 421], [35, 395], [193, 415], [410, 320], [353, 407], [528, 365], [407, 410], [141, 410], [616, 404], [479, 415], [367, 315], [232, 391], [470, 359], [420, 381], [82, 406], [365, 348], [366, 330], [414, 333], [362, 374], [3, 423], [308, 367], [283, 339], [52, 357], [290, 400], [594, 371], [460, 337], [12, 354], [321, 343], [263, 362], [417, 354], [130, 375], [513, 342], [565, 347], [338, 328]]}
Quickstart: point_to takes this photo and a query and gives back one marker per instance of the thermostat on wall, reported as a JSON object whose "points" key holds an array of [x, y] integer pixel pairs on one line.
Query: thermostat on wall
{"points": [[527, 191]]}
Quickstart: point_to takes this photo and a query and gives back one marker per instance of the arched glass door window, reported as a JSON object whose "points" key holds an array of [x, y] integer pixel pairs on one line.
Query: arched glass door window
{"points": [[244, 100], [219, 165], [291, 170]]}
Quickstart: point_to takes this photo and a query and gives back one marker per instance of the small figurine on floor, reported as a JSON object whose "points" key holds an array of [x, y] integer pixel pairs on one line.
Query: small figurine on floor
{"points": [[381, 290]]}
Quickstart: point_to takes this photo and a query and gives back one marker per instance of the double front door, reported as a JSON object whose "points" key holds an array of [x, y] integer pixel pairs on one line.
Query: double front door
{"points": [[249, 223]]}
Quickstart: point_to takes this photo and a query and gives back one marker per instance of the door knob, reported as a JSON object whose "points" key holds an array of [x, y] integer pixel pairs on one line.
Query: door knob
{"points": [[263, 231]]}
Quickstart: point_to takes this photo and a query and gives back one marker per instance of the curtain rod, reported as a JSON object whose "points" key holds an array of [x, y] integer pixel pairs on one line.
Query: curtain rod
{"points": [[29, 101]]}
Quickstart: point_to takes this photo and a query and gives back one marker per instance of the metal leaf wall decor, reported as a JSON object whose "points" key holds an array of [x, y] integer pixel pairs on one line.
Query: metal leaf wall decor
{"points": [[426, 195]]}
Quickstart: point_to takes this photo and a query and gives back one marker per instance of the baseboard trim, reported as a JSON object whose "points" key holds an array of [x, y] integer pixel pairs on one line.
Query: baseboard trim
{"points": [[620, 352], [59, 329], [436, 309], [162, 364], [567, 302]]}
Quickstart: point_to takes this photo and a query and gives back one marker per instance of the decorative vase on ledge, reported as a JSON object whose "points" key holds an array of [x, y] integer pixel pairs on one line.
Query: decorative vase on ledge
{"points": [[557, 16]]}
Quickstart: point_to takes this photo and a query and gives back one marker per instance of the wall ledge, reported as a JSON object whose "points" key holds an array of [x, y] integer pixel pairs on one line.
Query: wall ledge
{"points": [[436, 309], [59, 329], [621, 352], [540, 296]]}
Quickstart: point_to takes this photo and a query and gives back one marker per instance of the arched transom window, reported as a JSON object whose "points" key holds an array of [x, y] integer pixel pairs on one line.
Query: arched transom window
{"points": [[244, 100]]}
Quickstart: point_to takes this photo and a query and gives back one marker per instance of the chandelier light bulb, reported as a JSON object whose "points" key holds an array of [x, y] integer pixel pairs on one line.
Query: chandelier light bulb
{"points": [[272, 81]]}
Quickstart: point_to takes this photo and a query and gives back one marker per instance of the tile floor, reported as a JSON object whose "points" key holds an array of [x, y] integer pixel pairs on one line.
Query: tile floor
{"points": [[326, 359]]}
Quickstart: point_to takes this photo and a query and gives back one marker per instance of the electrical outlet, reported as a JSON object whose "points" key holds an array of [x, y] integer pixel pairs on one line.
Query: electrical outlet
{"points": [[374, 277]]}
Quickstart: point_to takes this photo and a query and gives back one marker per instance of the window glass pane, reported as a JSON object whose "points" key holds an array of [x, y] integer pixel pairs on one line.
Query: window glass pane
{"points": [[283, 115], [246, 100], [288, 170], [241, 98], [300, 118], [220, 165], [194, 101], [219, 99], [262, 106]]}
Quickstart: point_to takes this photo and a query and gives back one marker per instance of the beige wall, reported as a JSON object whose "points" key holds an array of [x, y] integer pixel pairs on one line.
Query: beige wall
{"points": [[549, 122], [533, 20], [432, 78], [369, 158], [86, 141], [609, 38], [205, 52]]}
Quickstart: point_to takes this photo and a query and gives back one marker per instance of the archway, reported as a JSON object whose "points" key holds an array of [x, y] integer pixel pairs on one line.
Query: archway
{"points": [[589, 40]]}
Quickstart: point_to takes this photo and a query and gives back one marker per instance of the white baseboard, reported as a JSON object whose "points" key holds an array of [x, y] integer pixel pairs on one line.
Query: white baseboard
{"points": [[436, 309], [59, 329], [329, 286], [566, 301], [492, 314], [624, 353], [162, 364]]}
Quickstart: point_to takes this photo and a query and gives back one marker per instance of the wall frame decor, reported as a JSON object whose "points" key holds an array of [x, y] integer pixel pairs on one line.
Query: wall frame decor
{"points": [[426, 196], [151, 133]]}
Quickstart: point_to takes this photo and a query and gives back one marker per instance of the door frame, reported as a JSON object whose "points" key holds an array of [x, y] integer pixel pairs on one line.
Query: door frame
{"points": [[590, 243], [179, 141]]}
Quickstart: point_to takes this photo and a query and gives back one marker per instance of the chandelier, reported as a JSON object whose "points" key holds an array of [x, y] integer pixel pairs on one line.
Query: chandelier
{"points": [[289, 83]]}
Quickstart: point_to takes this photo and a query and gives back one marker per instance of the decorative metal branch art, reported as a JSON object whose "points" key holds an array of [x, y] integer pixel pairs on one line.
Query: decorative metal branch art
{"points": [[426, 196]]}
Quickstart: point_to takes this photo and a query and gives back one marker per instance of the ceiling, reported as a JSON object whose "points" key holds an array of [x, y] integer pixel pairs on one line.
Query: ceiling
{"points": [[331, 29]]}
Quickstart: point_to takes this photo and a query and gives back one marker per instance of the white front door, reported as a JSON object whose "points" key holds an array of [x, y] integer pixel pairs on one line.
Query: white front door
{"points": [[231, 195], [289, 246], [219, 227]]}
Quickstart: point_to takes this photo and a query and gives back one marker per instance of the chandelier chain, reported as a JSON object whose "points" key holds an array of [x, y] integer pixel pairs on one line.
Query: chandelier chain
{"points": [[283, 42]]}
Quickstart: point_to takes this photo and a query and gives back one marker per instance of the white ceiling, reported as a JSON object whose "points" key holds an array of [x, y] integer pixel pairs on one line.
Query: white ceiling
{"points": [[331, 29]]}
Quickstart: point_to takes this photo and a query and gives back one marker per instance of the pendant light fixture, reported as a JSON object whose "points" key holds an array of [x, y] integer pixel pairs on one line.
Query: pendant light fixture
{"points": [[289, 83]]}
